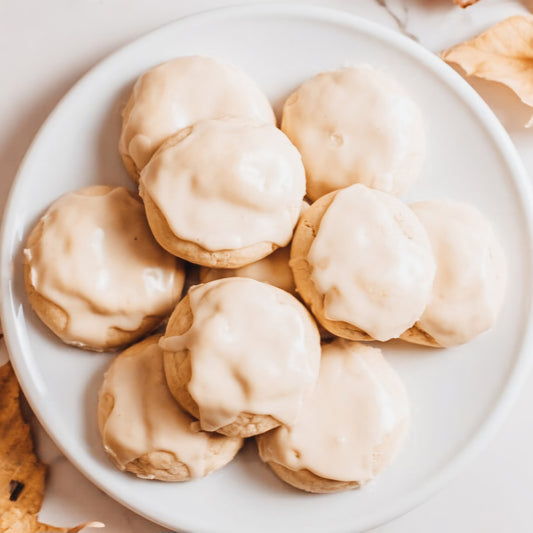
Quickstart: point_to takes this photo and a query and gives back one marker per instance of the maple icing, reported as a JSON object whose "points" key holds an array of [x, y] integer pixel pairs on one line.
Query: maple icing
{"points": [[470, 281], [254, 349], [372, 261], [353, 423]]}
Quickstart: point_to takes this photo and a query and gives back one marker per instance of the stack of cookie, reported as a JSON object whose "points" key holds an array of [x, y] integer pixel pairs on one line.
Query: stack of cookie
{"points": [[270, 343]]}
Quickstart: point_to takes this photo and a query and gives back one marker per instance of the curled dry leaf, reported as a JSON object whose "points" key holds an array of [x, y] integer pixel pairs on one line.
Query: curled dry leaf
{"points": [[22, 475], [503, 53], [45, 528], [464, 3]]}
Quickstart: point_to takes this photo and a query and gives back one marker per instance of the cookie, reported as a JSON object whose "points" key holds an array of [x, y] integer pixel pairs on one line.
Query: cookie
{"points": [[241, 356], [145, 431], [178, 93], [349, 430], [469, 287], [273, 269], [94, 273], [363, 263], [224, 193], [355, 125]]}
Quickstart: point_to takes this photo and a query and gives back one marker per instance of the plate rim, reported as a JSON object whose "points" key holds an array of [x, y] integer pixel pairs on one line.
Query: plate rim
{"points": [[520, 179]]}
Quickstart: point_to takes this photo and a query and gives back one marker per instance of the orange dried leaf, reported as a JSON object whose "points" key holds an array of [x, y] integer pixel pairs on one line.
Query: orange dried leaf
{"points": [[17, 521], [22, 475], [44, 528], [503, 53], [464, 3]]}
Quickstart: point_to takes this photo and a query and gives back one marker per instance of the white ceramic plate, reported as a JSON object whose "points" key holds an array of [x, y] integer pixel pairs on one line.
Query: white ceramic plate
{"points": [[458, 396]]}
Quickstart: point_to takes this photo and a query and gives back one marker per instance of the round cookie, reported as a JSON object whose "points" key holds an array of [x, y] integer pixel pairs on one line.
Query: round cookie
{"points": [[224, 193], [178, 93], [241, 356], [469, 286], [145, 431], [363, 263], [350, 428], [355, 125], [94, 273], [273, 269]]}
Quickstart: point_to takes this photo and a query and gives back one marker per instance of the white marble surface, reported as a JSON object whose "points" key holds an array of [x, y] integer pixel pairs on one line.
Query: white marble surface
{"points": [[46, 46]]}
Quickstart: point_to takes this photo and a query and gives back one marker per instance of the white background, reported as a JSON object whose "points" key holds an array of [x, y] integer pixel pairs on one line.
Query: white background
{"points": [[45, 46]]}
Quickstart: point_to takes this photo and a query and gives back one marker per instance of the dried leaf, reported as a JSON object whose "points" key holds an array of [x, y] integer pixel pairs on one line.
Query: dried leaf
{"points": [[503, 53], [22, 475], [44, 528], [464, 3], [17, 521]]}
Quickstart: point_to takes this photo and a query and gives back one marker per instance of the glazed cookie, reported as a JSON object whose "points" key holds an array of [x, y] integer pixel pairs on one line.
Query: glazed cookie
{"points": [[224, 193], [363, 263], [145, 431], [179, 93], [273, 269], [355, 125], [469, 285], [349, 430], [241, 356], [94, 273]]}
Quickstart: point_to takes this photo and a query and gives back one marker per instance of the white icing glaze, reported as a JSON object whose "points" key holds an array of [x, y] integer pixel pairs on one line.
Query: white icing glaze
{"points": [[228, 184], [372, 260], [273, 269], [180, 92], [469, 285], [355, 125], [145, 417], [98, 261], [254, 349], [353, 423]]}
